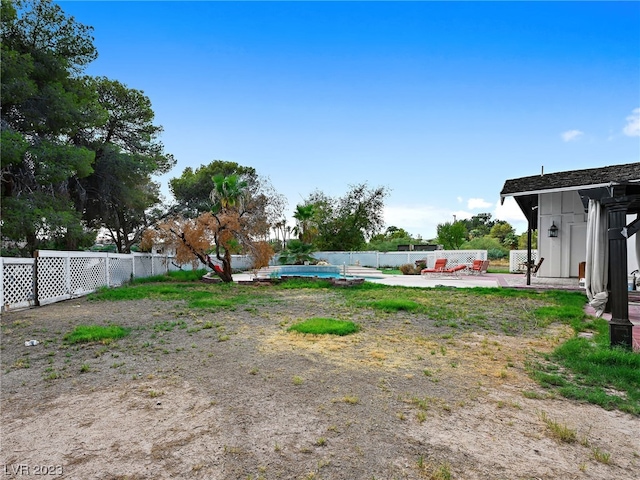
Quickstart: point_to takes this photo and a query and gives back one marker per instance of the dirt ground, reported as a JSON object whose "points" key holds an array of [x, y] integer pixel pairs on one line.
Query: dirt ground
{"points": [[230, 394]]}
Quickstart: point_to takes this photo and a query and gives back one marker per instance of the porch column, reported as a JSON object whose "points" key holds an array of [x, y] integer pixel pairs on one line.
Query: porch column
{"points": [[620, 327]]}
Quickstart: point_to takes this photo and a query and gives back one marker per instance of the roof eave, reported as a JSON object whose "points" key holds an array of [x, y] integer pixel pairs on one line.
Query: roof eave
{"points": [[563, 189]]}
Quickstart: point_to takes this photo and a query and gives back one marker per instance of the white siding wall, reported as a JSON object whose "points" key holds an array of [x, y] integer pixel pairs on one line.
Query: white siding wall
{"points": [[563, 254]]}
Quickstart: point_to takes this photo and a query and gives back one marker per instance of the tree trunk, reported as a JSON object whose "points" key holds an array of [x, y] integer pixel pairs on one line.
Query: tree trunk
{"points": [[223, 273]]}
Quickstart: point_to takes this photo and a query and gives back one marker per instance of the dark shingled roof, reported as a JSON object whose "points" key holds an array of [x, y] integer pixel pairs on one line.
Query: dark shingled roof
{"points": [[575, 178]]}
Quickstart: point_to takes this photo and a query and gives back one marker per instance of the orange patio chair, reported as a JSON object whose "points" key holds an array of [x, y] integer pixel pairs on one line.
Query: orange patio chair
{"points": [[454, 271], [485, 267], [437, 268], [476, 267]]}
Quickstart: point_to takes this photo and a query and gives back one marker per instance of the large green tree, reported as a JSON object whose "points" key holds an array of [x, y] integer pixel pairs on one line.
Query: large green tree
{"points": [[78, 153], [120, 193], [192, 190], [44, 103], [346, 223], [503, 230], [479, 225], [451, 235], [391, 238]]}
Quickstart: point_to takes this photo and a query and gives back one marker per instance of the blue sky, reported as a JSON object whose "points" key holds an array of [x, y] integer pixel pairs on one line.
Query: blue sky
{"points": [[439, 102]]}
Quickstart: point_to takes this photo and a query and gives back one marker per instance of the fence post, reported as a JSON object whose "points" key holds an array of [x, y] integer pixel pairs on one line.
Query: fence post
{"points": [[36, 293], [67, 272], [1, 284], [107, 275]]}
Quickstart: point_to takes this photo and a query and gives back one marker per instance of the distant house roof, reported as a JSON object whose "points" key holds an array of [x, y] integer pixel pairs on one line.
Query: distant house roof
{"points": [[572, 180]]}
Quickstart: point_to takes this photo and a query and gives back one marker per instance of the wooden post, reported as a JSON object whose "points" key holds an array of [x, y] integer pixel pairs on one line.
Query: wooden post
{"points": [[529, 251], [620, 327], [36, 293]]}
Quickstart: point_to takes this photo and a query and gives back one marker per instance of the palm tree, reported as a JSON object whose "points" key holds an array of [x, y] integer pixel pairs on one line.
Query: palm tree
{"points": [[303, 214], [228, 192], [228, 197], [296, 253]]}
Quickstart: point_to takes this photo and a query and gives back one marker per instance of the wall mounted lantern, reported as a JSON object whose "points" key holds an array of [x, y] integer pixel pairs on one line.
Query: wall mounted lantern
{"points": [[553, 230]]}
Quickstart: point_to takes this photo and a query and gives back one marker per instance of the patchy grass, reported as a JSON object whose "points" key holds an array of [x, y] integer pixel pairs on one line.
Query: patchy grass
{"points": [[325, 326], [577, 369], [591, 371], [558, 430], [295, 283], [96, 333], [175, 276]]}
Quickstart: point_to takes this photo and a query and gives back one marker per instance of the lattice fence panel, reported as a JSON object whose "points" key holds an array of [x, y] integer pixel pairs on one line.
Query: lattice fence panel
{"points": [[87, 274], [142, 266], [120, 270], [52, 281], [365, 259], [458, 257], [517, 259], [17, 284]]}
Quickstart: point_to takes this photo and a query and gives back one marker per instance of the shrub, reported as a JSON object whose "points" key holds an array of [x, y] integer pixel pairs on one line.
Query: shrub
{"points": [[408, 269], [496, 253]]}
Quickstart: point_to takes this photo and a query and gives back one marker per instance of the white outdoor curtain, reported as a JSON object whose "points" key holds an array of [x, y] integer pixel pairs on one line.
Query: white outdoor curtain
{"points": [[597, 268], [637, 237]]}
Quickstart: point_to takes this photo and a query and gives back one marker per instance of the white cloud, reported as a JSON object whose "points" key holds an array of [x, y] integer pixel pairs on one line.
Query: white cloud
{"points": [[460, 199], [510, 212], [632, 128], [571, 135], [476, 203]]}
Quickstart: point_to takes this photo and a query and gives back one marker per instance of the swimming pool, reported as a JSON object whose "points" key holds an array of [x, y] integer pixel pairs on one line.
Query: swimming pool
{"points": [[320, 271]]}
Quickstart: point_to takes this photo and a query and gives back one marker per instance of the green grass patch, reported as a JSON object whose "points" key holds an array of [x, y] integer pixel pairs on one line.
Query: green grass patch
{"points": [[211, 300], [161, 291], [391, 271], [295, 283], [197, 295], [175, 276], [96, 333], [395, 305], [325, 326], [589, 370]]}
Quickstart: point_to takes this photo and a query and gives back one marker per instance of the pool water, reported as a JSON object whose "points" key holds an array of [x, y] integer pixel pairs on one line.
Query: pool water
{"points": [[320, 271]]}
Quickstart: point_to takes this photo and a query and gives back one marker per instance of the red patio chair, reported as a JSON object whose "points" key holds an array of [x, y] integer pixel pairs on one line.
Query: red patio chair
{"points": [[437, 268], [476, 267], [454, 271]]}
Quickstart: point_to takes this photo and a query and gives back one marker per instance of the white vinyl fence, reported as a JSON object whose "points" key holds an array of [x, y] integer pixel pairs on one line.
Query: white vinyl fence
{"points": [[396, 259], [54, 275], [518, 257]]}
